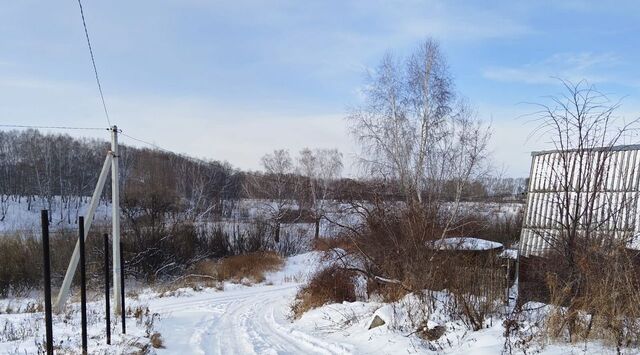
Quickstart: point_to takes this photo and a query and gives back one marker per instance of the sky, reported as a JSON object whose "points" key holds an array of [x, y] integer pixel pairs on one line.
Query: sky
{"points": [[233, 80]]}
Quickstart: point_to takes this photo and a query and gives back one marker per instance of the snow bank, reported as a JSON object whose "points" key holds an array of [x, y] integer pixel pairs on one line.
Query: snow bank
{"points": [[466, 243], [297, 269]]}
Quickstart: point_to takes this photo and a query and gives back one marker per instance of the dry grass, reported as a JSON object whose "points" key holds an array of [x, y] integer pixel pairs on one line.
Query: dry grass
{"points": [[327, 244], [156, 341], [205, 267], [331, 285], [250, 267], [194, 282], [596, 305], [388, 292], [247, 268]]}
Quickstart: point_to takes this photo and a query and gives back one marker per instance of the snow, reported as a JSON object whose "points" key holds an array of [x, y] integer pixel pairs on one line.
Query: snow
{"points": [[509, 254], [496, 210], [20, 218], [298, 268], [22, 328], [241, 319], [466, 243], [246, 320]]}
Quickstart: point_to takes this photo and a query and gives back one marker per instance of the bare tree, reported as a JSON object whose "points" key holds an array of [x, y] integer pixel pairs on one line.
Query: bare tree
{"points": [[276, 188], [320, 167], [584, 181], [417, 134], [415, 131]]}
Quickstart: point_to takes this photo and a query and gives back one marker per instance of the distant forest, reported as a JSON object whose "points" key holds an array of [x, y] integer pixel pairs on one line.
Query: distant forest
{"points": [[49, 166]]}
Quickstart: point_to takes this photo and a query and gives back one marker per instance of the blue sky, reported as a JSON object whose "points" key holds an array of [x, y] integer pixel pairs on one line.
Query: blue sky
{"points": [[232, 80]]}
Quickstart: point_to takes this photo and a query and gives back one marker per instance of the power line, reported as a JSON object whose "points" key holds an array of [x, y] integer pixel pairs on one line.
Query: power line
{"points": [[54, 127], [93, 61], [147, 143], [155, 146]]}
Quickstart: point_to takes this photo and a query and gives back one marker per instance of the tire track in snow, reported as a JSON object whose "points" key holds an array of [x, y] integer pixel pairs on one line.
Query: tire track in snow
{"points": [[244, 321]]}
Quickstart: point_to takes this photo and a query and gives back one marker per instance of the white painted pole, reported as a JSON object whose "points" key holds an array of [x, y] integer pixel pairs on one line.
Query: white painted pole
{"points": [[73, 263], [115, 217]]}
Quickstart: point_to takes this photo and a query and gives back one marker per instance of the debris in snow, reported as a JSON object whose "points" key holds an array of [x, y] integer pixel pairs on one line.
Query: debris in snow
{"points": [[432, 334], [377, 322]]}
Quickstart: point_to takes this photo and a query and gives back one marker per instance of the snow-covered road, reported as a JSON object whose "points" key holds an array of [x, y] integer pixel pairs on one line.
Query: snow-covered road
{"points": [[241, 321]]}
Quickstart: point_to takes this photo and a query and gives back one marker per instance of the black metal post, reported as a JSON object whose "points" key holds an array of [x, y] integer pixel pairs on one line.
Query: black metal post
{"points": [[107, 306], [47, 280], [123, 312], [83, 284]]}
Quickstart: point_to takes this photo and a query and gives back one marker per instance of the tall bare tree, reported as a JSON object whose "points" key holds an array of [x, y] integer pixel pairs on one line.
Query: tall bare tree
{"points": [[320, 168], [413, 129], [276, 188], [416, 134]]}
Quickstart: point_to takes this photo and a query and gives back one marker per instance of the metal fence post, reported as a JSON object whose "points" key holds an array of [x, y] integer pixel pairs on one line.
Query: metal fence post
{"points": [[123, 309], [106, 287], [47, 280], [83, 284]]}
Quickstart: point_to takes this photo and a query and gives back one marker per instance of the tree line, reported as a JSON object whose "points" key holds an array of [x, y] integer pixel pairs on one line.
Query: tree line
{"points": [[61, 171]]}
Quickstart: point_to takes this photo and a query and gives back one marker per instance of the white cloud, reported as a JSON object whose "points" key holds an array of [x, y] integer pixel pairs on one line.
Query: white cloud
{"points": [[332, 38], [408, 19], [594, 67], [460, 23]]}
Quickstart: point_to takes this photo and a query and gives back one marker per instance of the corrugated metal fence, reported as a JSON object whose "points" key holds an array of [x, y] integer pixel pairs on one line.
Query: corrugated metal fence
{"points": [[595, 189]]}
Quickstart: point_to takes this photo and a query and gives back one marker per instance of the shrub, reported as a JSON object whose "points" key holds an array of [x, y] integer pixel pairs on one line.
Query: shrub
{"points": [[500, 228], [251, 266], [21, 261], [591, 304], [19, 265], [330, 285], [156, 341]]}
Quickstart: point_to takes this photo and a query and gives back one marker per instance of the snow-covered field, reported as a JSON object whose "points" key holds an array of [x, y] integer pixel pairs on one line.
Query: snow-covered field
{"points": [[20, 216], [257, 320]]}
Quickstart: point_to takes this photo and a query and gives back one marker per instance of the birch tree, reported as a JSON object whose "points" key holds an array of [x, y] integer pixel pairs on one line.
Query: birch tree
{"points": [[276, 184], [414, 129], [419, 135], [320, 167]]}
